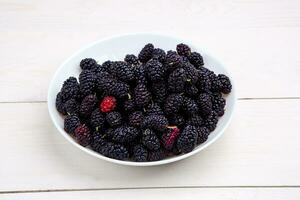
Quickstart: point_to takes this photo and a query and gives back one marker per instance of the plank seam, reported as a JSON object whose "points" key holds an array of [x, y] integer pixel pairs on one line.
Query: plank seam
{"points": [[149, 188]]}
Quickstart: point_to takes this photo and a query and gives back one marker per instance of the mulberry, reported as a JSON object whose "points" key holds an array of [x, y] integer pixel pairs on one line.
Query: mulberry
{"points": [[82, 135], [173, 104], [114, 118], [155, 122], [124, 134], [71, 123], [169, 138], [131, 59], [176, 80], [136, 118], [146, 53], [87, 82], [203, 133], [150, 140], [87, 63], [97, 119], [70, 89], [187, 139], [71, 106], [159, 54], [205, 104], [196, 59], [159, 92], [183, 49], [142, 96], [155, 70], [87, 105], [225, 84], [140, 154]]}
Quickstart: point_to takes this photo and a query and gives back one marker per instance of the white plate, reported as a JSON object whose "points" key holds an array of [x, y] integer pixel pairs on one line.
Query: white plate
{"points": [[115, 48]]}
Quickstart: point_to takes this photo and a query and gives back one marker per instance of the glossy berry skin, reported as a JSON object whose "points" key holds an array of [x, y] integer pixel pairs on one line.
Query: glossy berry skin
{"points": [[108, 104]]}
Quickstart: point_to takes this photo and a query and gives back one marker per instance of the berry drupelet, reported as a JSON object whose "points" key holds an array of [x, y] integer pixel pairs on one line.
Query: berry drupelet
{"points": [[114, 118]]}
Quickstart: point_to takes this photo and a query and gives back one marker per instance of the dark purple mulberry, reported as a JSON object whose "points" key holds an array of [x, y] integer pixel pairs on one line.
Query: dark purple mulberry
{"points": [[155, 70], [177, 80], [97, 119], [87, 105], [114, 118], [155, 122], [183, 49], [87, 63], [131, 59], [187, 139], [159, 54], [87, 82], [71, 123], [142, 96], [140, 153], [203, 133], [205, 104], [150, 140], [136, 118], [173, 104], [82, 135], [146, 53], [196, 59], [225, 84], [124, 134]]}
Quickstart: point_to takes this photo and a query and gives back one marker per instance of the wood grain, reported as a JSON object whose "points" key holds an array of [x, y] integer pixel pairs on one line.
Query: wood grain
{"points": [[177, 193], [260, 148], [256, 40]]}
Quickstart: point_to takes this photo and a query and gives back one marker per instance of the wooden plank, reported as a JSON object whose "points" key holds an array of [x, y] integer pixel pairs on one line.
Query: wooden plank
{"points": [[176, 193], [260, 148], [256, 40]]}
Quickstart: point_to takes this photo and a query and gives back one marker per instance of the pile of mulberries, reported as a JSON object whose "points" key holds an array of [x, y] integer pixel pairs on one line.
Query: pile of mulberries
{"points": [[146, 107]]}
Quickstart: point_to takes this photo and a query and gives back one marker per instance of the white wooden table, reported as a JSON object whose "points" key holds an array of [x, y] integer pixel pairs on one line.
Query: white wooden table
{"points": [[257, 158]]}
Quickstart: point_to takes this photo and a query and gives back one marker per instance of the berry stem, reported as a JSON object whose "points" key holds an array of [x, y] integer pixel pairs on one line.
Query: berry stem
{"points": [[172, 127]]}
